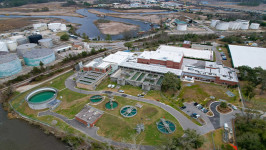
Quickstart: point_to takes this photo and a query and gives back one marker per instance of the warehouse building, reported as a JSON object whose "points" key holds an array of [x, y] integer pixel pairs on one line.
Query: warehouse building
{"points": [[248, 56], [89, 116]]}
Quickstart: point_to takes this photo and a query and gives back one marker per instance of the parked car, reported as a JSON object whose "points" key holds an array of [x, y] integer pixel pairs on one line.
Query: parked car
{"points": [[195, 115], [121, 91], [195, 104], [183, 107], [234, 107], [224, 58], [113, 86], [109, 85], [199, 106], [140, 95], [222, 53]]}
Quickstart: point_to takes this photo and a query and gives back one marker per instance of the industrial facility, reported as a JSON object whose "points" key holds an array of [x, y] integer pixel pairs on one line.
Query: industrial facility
{"points": [[9, 65], [89, 116], [234, 25], [248, 56], [21, 49], [35, 56]]}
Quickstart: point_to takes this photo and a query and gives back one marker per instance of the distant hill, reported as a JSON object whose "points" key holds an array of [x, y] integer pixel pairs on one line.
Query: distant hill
{"points": [[15, 3]]}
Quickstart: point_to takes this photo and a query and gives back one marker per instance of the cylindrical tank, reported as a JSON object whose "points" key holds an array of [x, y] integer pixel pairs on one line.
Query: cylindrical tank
{"points": [[12, 45], [22, 40], [46, 43], [54, 26], [35, 56], [222, 26], [244, 25], [182, 27], [254, 26], [63, 27], [21, 49], [40, 26], [214, 23], [234, 25], [35, 38], [9, 65], [3, 46], [14, 38]]}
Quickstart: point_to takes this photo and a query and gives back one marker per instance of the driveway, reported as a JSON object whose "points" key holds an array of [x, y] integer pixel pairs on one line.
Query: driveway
{"points": [[215, 119]]}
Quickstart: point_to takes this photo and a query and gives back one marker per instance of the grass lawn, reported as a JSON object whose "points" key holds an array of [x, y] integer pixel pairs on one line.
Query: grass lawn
{"points": [[201, 92], [59, 82], [227, 62], [148, 114], [217, 139]]}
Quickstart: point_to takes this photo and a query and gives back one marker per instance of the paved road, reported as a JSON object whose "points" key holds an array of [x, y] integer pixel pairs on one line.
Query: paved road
{"points": [[215, 120]]}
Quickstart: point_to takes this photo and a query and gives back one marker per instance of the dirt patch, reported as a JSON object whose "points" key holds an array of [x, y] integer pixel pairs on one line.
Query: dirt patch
{"points": [[114, 28], [224, 110], [55, 9], [15, 23], [138, 10]]}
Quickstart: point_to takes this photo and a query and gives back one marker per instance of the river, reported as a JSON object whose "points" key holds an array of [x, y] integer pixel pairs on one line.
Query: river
{"points": [[16, 134], [87, 26]]}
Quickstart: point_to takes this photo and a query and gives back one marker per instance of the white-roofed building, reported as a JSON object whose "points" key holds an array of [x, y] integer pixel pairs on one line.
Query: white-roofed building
{"points": [[188, 52], [97, 65], [248, 56], [117, 58]]}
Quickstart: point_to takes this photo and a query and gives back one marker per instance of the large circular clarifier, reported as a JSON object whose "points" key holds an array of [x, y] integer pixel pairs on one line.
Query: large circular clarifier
{"points": [[165, 126], [40, 98], [128, 111], [111, 105], [96, 98]]}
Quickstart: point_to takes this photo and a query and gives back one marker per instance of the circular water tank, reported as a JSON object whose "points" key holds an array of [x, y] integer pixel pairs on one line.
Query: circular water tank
{"points": [[3, 47], [35, 38], [182, 27], [21, 41], [46, 43], [21, 49], [9, 65], [222, 26], [12, 45], [254, 26], [244, 25], [35, 56], [214, 23]]}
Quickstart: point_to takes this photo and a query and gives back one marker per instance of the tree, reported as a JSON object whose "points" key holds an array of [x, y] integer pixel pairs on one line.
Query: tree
{"points": [[248, 91], [171, 82], [223, 105], [128, 44], [108, 37], [93, 51], [41, 65], [64, 37]]}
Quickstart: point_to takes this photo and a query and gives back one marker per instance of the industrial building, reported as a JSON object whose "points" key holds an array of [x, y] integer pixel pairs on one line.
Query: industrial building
{"points": [[9, 65], [211, 72], [35, 56], [98, 65], [40, 26], [89, 116], [90, 79], [57, 27], [248, 56]]}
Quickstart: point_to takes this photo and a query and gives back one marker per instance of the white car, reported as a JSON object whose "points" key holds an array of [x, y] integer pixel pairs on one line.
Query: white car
{"points": [[234, 107], [109, 85], [113, 86]]}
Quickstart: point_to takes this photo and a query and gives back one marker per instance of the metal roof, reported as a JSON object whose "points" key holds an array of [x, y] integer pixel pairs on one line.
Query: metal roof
{"points": [[36, 53], [8, 58]]}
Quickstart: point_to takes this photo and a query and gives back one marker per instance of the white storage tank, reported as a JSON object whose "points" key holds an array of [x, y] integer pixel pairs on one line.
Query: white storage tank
{"points": [[222, 26], [54, 26], [244, 25], [3, 46], [40, 26], [214, 23], [182, 27], [12, 45], [21, 49], [46, 43], [234, 25], [9, 65], [254, 26], [22, 40], [63, 27]]}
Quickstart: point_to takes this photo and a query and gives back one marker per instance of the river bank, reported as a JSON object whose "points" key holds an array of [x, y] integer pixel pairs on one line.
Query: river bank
{"points": [[113, 27]]}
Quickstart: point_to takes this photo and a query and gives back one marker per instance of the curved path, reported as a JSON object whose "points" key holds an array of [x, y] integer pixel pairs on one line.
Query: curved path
{"points": [[92, 132]]}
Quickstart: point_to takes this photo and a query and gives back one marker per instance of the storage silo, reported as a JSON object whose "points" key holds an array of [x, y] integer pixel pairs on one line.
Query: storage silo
{"points": [[214, 23], [222, 26], [35, 38], [46, 43], [12, 45], [22, 40], [35, 56], [9, 65], [254, 26], [3, 46], [182, 27], [21, 49], [63, 27], [244, 25]]}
